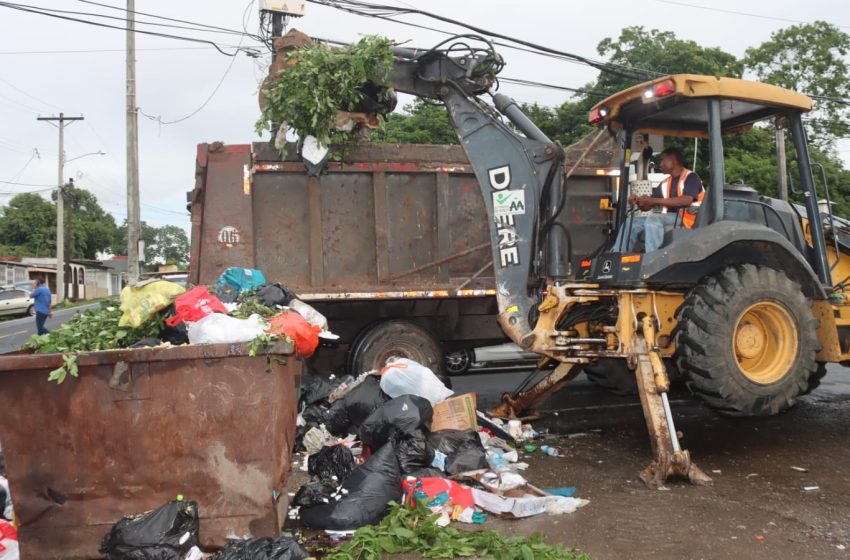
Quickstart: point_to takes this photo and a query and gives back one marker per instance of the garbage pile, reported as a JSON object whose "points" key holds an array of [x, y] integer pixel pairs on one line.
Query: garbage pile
{"points": [[400, 435], [240, 307]]}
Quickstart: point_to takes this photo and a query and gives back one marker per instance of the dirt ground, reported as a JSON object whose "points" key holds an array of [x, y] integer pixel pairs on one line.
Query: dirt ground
{"points": [[757, 508]]}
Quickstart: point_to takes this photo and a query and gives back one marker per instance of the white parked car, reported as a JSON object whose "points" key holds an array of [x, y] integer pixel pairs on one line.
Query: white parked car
{"points": [[16, 301]]}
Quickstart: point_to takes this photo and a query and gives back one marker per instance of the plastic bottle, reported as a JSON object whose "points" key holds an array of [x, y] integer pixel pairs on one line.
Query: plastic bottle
{"points": [[549, 450]]}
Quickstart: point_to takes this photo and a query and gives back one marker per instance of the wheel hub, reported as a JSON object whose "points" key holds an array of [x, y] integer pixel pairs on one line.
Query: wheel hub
{"points": [[765, 342]]}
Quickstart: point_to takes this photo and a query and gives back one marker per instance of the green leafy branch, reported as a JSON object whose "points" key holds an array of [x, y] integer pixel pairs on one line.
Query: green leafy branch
{"points": [[320, 81], [408, 530]]}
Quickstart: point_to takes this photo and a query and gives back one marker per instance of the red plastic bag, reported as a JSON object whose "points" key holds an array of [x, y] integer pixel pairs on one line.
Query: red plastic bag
{"points": [[194, 305], [296, 327]]}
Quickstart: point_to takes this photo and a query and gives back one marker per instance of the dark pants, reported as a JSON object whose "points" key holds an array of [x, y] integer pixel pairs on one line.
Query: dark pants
{"points": [[40, 318]]}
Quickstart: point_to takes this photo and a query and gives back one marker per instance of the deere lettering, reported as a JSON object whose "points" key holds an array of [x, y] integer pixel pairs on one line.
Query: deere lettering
{"points": [[506, 204]]}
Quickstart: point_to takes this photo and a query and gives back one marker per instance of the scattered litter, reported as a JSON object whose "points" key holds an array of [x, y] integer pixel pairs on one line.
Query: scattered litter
{"points": [[296, 327], [331, 463], [406, 414], [566, 491], [264, 548], [529, 448], [309, 313], [462, 448], [759, 538], [752, 475], [315, 439], [169, 531], [800, 469], [578, 435], [716, 471], [811, 488], [551, 451], [840, 547], [194, 554], [217, 328], [402, 376]]}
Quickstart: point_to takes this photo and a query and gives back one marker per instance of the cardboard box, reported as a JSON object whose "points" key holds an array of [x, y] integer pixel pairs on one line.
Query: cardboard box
{"points": [[456, 413]]}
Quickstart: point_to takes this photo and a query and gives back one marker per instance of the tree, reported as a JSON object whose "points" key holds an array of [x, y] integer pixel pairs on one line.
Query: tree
{"points": [[638, 55], [28, 226], [92, 228], [423, 122], [809, 58], [163, 245]]}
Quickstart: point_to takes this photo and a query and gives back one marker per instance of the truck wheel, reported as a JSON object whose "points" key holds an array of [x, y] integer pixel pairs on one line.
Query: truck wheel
{"points": [[613, 375], [746, 341], [458, 363], [403, 339]]}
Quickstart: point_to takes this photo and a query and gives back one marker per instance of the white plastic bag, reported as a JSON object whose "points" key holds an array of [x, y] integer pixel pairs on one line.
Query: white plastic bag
{"points": [[218, 328], [309, 313], [406, 377]]}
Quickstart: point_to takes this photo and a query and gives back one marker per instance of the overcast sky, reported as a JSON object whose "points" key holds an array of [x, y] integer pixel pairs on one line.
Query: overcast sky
{"points": [[176, 77]]}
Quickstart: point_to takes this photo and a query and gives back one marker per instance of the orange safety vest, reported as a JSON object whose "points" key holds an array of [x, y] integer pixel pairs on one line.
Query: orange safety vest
{"points": [[689, 215]]}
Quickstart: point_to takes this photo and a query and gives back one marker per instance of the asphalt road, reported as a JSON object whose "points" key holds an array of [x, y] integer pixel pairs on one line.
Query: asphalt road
{"points": [[781, 484], [15, 332]]}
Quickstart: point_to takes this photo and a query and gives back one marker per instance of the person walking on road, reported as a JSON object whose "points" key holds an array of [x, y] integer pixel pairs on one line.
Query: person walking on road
{"points": [[43, 298]]}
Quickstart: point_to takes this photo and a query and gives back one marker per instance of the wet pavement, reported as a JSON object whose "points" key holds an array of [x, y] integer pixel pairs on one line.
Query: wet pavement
{"points": [[757, 508]]}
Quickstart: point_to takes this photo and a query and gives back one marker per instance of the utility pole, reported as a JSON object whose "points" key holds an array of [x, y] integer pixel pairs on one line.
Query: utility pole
{"points": [[781, 161], [67, 191], [60, 205], [133, 213]]}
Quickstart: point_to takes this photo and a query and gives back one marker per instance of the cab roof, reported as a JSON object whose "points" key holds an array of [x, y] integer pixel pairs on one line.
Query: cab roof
{"points": [[675, 105]]}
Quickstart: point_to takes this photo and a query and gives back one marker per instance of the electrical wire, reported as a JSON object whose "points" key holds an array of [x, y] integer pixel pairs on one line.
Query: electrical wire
{"points": [[215, 89], [27, 9], [735, 12], [531, 83], [384, 12]]}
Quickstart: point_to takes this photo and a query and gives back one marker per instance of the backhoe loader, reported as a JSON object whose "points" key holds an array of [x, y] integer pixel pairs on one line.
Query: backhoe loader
{"points": [[743, 302]]}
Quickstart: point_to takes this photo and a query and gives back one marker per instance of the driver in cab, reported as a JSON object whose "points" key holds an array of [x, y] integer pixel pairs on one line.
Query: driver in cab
{"points": [[674, 201]]}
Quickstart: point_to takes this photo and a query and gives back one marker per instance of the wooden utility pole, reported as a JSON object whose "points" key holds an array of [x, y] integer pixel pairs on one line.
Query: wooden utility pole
{"points": [[60, 205], [133, 213]]}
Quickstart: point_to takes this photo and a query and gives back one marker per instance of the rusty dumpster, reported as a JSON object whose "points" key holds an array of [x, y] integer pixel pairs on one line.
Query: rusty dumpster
{"points": [[139, 427]]}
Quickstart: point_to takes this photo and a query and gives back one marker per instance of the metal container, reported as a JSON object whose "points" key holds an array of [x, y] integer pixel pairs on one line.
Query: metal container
{"points": [[139, 427]]}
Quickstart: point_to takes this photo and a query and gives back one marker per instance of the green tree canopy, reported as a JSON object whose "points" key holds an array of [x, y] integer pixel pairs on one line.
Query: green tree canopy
{"points": [[28, 226], [422, 122], [809, 58], [163, 245], [93, 229]]}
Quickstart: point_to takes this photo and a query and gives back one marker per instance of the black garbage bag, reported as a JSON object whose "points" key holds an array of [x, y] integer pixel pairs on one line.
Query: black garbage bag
{"points": [[370, 489], [314, 415], [315, 388], [331, 461], [413, 451], [407, 414], [272, 295], [165, 533], [176, 335], [462, 448], [314, 493], [263, 548], [430, 472], [351, 411]]}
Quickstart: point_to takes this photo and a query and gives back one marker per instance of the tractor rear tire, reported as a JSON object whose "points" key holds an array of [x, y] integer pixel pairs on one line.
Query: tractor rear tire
{"points": [[613, 375], [815, 379], [746, 341]]}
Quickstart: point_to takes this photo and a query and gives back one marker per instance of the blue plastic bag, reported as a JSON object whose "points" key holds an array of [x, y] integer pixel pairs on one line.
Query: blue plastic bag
{"points": [[242, 279]]}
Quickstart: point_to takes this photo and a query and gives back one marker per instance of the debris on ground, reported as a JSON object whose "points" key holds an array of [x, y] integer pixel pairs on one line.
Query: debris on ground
{"points": [[166, 533], [392, 418]]}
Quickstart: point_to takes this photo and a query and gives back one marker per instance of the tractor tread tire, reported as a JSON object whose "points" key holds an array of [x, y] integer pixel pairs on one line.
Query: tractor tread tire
{"points": [[704, 341]]}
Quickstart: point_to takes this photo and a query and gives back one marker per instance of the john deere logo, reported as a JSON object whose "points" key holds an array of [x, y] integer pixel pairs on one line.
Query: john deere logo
{"points": [[606, 267]]}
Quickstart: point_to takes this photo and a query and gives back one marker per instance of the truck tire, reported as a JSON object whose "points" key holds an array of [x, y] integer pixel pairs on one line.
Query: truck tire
{"points": [[613, 375], [815, 379], [404, 339], [746, 341]]}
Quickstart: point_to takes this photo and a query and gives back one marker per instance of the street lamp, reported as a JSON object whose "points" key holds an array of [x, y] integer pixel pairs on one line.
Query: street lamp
{"points": [[97, 153]]}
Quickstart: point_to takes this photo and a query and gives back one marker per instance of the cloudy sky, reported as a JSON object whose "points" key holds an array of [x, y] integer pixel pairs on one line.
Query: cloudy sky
{"points": [[49, 65]]}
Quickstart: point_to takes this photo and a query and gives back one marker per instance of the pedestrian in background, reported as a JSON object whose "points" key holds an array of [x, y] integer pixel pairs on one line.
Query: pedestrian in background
{"points": [[43, 298]]}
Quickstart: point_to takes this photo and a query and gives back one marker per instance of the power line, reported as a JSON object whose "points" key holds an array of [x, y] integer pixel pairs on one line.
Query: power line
{"points": [[215, 89], [28, 9], [136, 12], [738, 13], [384, 12], [531, 83], [91, 51]]}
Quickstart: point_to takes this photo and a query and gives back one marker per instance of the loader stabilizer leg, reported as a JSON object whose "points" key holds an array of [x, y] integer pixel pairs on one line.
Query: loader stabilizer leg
{"points": [[669, 459]]}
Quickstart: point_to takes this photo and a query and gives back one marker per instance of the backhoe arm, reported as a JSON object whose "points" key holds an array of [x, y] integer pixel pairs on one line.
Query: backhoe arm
{"points": [[520, 175]]}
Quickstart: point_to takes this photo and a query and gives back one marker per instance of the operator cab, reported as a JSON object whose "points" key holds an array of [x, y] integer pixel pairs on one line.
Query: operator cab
{"points": [[703, 107]]}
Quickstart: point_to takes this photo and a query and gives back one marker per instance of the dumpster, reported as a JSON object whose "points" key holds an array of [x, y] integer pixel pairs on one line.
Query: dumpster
{"points": [[141, 426]]}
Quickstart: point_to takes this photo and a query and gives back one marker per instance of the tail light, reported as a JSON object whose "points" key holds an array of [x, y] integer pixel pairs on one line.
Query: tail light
{"points": [[596, 115], [661, 89]]}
